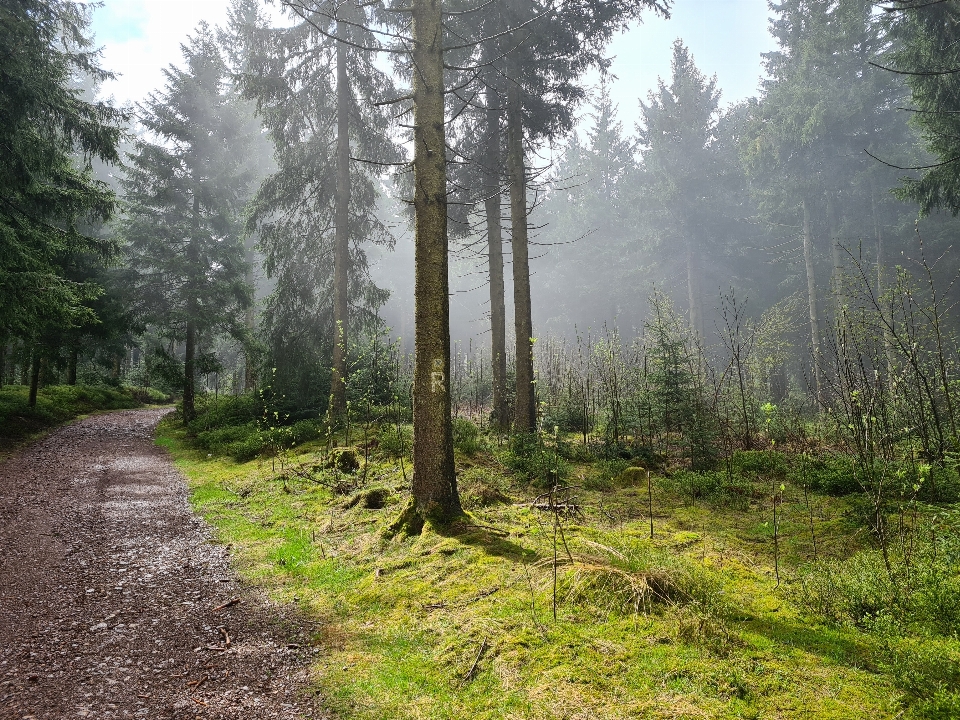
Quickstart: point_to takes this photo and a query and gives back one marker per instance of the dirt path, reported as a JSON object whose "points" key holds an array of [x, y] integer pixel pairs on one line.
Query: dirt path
{"points": [[108, 585]]}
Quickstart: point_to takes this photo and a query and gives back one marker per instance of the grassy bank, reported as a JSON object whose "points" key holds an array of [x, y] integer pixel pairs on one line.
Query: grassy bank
{"points": [[563, 607], [57, 404]]}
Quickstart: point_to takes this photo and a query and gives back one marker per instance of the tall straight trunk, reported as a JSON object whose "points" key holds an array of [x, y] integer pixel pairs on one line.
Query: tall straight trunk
{"points": [[189, 371], [834, 251], [885, 316], [434, 479], [500, 418], [25, 359], [72, 365], [525, 410], [693, 288], [812, 298], [249, 319], [189, 356], [341, 254], [34, 378]]}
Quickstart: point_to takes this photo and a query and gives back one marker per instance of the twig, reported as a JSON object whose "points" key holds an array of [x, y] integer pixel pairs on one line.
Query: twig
{"points": [[197, 683], [229, 603], [226, 636], [473, 668]]}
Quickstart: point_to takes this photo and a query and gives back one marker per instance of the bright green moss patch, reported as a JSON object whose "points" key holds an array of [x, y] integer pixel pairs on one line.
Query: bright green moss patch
{"points": [[493, 618]]}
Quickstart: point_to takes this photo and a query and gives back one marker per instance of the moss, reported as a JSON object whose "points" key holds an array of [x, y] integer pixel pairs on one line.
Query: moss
{"points": [[457, 620]]}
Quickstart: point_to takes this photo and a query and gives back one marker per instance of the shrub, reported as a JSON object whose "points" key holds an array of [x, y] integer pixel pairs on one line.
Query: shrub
{"points": [[149, 395], [928, 671], [396, 443], [608, 475], [759, 462], [831, 474], [466, 436], [918, 592], [225, 410], [714, 487], [527, 456]]}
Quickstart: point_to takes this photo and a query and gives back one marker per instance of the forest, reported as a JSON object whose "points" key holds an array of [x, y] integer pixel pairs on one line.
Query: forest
{"points": [[538, 415]]}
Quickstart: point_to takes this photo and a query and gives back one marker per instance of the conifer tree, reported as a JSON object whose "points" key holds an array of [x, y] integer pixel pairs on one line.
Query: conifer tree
{"points": [[927, 57], [185, 192], [316, 88], [823, 105], [50, 135], [677, 134]]}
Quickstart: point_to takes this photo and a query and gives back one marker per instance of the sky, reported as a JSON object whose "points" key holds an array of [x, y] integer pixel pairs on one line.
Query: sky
{"points": [[726, 37]]}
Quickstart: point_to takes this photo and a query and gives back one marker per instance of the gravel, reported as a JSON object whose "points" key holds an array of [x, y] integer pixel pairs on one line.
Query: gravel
{"points": [[110, 588]]}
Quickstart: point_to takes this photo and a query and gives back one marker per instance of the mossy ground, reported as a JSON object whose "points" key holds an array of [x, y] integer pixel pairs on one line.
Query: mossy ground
{"points": [[459, 622]]}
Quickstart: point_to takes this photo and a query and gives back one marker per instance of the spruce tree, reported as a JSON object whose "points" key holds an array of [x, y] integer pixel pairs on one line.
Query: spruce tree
{"points": [[50, 136], [927, 56], [676, 138], [316, 90], [185, 192]]}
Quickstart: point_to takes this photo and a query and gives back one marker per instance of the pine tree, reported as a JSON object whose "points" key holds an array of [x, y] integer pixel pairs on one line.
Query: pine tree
{"points": [[677, 136], [593, 225], [316, 95], [822, 106], [50, 136], [927, 56], [185, 192]]}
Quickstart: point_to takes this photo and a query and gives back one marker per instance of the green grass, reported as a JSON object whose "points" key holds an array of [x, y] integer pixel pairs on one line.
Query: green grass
{"points": [[56, 404], [459, 623]]}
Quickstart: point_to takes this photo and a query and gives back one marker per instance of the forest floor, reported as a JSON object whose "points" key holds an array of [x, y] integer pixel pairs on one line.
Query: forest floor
{"points": [[114, 601], [522, 613]]}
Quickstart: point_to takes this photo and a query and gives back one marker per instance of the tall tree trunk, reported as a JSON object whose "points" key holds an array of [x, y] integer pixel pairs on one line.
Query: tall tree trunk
{"points": [[812, 298], [525, 410], [693, 288], [3, 362], [25, 359], [72, 365], [189, 372], [834, 251], [500, 418], [250, 319], [341, 255], [885, 316], [434, 479], [189, 357], [34, 378]]}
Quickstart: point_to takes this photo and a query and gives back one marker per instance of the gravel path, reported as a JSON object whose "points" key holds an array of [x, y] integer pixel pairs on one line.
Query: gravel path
{"points": [[109, 589]]}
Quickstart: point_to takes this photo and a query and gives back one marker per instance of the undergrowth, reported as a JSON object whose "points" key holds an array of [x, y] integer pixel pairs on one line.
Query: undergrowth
{"points": [[559, 604]]}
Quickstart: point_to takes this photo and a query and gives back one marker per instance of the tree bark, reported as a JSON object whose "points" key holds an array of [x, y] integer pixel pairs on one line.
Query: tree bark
{"points": [[341, 255], [525, 409], [434, 479], [34, 379], [189, 373], [812, 298], [500, 417], [72, 366], [693, 288], [250, 319], [886, 317], [834, 251]]}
